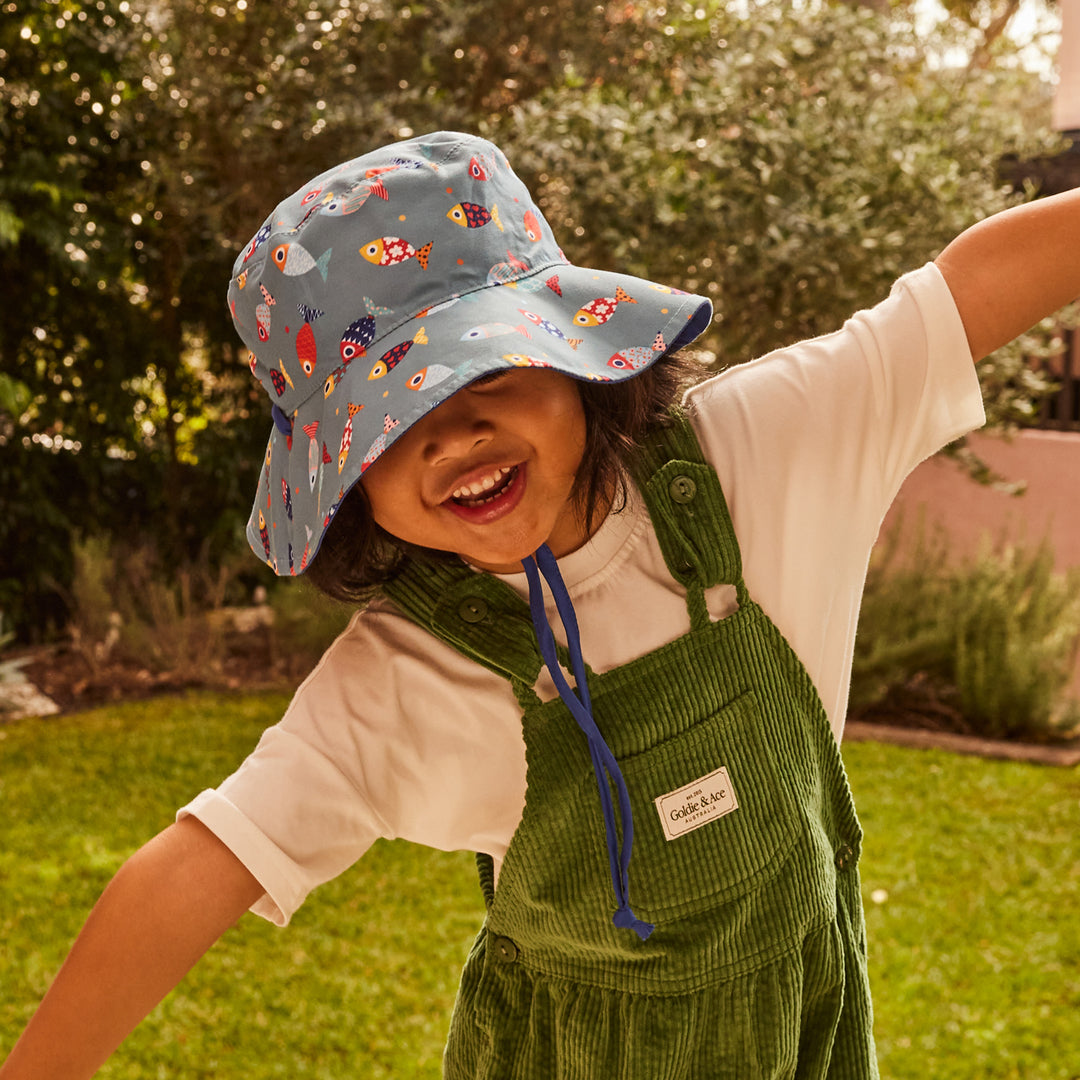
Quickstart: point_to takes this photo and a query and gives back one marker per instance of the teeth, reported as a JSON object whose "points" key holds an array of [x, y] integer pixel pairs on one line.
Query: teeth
{"points": [[478, 487]]}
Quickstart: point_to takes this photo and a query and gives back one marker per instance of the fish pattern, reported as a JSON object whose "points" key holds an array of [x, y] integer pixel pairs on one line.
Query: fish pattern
{"points": [[548, 326], [392, 357], [262, 314], [311, 431], [532, 226], [428, 377], [441, 289], [636, 357], [598, 311], [358, 335], [306, 350], [293, 260], [474, 216], [348, 202], [490, 330], [346, 437], [379, 445], [392, 250]]}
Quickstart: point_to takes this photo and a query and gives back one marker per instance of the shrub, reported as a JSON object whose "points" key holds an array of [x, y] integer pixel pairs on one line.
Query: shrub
{"points": [[1000, 632], [125, 608]]}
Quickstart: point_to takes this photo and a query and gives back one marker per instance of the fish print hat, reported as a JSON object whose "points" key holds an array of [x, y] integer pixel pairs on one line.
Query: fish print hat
{"points": [[389, 282]]}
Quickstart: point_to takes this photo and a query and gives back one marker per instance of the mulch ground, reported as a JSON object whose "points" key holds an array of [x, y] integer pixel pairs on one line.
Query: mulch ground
{"points": [[65, 676], [918, 714]]}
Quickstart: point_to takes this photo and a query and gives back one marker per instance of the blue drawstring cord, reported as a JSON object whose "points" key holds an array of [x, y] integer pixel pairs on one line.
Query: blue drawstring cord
{"points": [[281, 421], [604, 764]]}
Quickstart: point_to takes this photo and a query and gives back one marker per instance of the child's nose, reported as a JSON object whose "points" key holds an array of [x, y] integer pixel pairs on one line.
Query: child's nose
{"points": [[453, 430]]}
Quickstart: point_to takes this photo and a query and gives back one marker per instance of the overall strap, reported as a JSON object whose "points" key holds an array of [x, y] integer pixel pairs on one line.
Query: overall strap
{"points": [[476, 614], [689, 515]]}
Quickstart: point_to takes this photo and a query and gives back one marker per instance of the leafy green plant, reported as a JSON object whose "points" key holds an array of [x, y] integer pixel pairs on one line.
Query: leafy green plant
{"points": [[1015, 633], [1000, 631], [124, 606]]}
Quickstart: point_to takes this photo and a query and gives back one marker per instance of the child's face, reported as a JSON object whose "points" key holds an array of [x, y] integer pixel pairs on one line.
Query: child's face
{"points": [[489, 473]]}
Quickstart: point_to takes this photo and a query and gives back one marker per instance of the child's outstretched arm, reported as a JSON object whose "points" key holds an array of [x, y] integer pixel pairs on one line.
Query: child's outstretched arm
{"points": [[166, 906], [1015, 268]]}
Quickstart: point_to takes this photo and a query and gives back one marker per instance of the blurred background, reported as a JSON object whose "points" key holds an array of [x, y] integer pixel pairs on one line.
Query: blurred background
{"points": [[788, 159]]}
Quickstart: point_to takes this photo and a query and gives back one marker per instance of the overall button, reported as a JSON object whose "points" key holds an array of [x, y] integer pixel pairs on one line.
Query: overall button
{"points": [[845, 856], [472, 609], [682, 490], [504, 949]]}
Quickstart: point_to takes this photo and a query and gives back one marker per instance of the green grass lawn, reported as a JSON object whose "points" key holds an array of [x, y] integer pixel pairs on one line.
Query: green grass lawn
{"points": [[971, 877]]}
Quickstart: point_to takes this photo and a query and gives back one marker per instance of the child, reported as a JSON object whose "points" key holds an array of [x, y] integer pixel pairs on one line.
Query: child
{"points": [[668, 846]]}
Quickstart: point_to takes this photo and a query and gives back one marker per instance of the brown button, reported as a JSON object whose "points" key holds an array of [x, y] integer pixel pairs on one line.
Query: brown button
{"points": [[504, 949], [682, 489], [473, 609]]}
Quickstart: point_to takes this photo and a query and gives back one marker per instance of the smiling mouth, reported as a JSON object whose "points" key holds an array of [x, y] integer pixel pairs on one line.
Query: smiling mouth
{"points": [[485, 490]]}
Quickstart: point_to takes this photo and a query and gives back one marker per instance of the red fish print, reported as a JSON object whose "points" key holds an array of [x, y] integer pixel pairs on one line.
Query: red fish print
{"points": [[598, 311], [305, 339], [346, 437], [532, 226], [305, 349], [391, 250], [307, 550], [476, 169], [264, 535]]}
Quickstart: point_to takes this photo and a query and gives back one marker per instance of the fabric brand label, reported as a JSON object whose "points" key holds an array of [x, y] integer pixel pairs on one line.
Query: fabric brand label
{"points": [[696, 804]]}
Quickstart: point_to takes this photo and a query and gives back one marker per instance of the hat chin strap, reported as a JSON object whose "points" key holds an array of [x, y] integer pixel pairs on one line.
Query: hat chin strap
{"points": [[281, 421], [604, 764]]}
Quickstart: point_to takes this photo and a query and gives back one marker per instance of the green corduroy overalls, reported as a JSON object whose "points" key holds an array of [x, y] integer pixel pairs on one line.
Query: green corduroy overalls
{"points": [[757, 965]]}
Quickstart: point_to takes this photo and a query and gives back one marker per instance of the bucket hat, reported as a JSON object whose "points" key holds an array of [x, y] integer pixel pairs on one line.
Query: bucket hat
{"points": [[389, 282]]}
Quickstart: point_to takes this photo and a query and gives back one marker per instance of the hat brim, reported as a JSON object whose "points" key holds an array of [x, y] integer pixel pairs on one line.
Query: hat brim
{"points": [[589, 324]]}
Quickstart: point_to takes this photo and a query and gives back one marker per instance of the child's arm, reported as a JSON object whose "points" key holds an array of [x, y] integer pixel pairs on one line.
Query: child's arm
{"points": [[1015, 268], [166, 906]]}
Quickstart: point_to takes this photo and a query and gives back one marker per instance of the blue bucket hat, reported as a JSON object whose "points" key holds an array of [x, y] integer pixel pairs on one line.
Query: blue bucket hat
{"points": [[389, 282]]}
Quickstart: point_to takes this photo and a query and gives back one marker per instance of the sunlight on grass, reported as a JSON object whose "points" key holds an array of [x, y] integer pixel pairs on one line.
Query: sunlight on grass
{"points": [[971, 877]]}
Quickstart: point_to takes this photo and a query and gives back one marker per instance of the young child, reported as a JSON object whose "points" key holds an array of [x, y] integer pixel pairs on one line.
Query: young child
{"points": [[668, 847]]}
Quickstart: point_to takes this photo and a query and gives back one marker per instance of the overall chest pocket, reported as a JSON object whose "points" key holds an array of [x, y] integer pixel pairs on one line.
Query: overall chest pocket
{"points": [[713, 818]]}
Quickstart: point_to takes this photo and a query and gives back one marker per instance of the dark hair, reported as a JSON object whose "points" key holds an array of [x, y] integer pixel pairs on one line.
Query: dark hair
{"points": [[357, 556]]}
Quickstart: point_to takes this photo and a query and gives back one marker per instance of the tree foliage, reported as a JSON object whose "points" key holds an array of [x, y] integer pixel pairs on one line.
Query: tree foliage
{"points": [[789, 160]]}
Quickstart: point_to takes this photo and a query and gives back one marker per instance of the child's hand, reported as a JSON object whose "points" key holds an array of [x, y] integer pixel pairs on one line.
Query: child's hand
{"points": [[166, 906]]}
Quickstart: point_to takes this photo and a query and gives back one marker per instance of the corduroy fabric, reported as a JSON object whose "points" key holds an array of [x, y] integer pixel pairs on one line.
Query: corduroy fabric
{"points": [[757, 965]]}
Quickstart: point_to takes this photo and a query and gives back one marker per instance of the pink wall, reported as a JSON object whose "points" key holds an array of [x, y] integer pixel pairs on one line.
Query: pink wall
{"points": [[1067, 98], [1049, 461], [941, 494]]}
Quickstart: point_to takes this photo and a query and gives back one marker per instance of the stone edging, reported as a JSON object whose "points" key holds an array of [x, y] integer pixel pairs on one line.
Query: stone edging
{"points": [[1065, 756]]}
